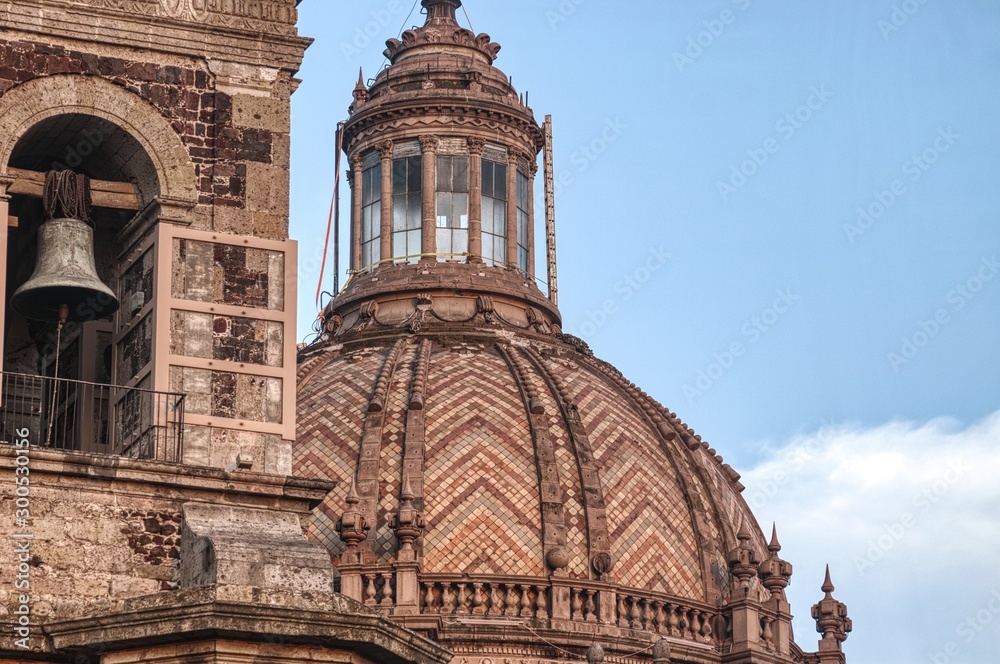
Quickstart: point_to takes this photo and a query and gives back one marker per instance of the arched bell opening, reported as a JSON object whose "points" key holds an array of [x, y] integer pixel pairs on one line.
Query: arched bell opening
{"points": [[122, 179]]}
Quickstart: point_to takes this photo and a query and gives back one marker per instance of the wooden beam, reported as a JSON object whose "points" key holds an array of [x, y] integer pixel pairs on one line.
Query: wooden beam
{"points": [[119, 195], [12, 222]]}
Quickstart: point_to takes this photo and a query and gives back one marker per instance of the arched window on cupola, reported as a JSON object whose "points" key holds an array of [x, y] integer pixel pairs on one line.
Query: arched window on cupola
{"points": [[452, 207], [494, 212], [371, 210], [407, 210]]}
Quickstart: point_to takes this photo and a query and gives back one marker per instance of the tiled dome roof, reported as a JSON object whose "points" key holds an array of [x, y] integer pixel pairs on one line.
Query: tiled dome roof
{"points": [[528, 458]]}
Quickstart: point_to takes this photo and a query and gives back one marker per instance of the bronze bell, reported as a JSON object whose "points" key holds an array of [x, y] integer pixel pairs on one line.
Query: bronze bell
{"points": [[65, 275]]}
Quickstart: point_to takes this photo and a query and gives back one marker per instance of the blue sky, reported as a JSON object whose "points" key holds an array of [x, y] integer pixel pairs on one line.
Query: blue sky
{"points": [[821, 177]]}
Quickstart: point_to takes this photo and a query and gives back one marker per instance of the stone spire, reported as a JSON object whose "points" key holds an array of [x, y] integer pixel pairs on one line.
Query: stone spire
{"points": [[831, 621], [743, 560], [352, 525], [774, 572]]}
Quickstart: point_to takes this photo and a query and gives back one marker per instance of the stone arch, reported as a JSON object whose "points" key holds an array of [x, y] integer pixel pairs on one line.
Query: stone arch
{"points": [[30, 103]]}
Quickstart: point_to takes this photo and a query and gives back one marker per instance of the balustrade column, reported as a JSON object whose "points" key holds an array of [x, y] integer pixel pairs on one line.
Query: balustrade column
{"points": [[512, 208], [355, 177], [532, 171], [385, 237], [428, 246], [476, 199]]}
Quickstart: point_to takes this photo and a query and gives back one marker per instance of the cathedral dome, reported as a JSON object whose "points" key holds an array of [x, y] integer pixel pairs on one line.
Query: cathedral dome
{"points": [[498, 486], [527, 456]]}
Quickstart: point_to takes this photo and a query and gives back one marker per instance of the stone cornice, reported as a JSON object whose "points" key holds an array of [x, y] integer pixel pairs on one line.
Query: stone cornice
{"points": [[246, 613], [154, 25], [154, 477]]}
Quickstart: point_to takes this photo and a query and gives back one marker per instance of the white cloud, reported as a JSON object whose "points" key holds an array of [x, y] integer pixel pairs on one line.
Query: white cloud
{"points": [[908, 516]]}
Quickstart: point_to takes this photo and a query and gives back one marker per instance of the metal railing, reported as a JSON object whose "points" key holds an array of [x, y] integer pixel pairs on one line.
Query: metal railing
{"points": [[92, 418]]}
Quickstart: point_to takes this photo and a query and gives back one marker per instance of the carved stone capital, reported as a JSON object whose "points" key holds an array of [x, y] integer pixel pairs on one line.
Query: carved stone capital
{"points": [[429, 143], [356, 162], [476, 145], [384, 149]]}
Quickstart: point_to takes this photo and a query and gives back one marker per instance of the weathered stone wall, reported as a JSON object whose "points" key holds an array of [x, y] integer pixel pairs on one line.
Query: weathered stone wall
{"points": [[106, 530]]}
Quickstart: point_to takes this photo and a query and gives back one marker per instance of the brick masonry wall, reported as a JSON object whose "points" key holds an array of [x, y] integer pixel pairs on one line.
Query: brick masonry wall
{"points": [[201, 115]]}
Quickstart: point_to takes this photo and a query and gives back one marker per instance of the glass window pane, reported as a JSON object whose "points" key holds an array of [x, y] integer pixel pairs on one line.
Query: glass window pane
{"points": [[488, 188], [501, 251], [399, 176], [487, 216], [399, 213], [488, 248], [444, 173], [501, 182], [443, 209], [414, 244], [461, 174], [459, 242], [460, 208], [398, 245], [414, 211], [443, 241], [500, 218], [414, 174]]}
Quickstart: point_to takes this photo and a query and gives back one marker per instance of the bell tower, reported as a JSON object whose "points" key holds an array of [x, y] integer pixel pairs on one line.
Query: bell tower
{"points": [[443, 155], [177, 113]]}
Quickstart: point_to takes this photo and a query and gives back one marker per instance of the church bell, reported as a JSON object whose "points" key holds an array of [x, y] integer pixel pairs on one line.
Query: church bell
{"points": [[65, 276]]}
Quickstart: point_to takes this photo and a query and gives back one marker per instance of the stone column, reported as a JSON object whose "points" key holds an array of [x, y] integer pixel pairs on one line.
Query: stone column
{"points": [[4, 212], [385, 238], [428, 249], [355, 178], [476, 199], [512, 208], [532, 171]]}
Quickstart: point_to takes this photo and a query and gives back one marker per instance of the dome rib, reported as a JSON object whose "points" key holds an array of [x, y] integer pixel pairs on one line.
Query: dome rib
{"points": [[552, 497], [595, 508]]}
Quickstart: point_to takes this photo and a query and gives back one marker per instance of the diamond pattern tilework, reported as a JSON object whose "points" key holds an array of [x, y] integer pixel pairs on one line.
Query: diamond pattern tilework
{"points": [[481, 483], [652, 539], [569, 478], [328, 441], [391, 463]]}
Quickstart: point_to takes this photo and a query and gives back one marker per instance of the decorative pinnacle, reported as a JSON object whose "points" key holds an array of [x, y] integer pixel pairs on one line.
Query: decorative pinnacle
{"points": [[828, 586], [831, 619], [595, 655], [774, 572], [361, 90], [352, 526]]}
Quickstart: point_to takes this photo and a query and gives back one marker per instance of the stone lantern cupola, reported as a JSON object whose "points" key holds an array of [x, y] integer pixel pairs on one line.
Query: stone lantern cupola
{"points": [[443, 154]]}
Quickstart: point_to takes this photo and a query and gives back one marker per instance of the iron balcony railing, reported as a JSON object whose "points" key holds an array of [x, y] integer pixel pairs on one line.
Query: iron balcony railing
{"points": [[92, 418]]}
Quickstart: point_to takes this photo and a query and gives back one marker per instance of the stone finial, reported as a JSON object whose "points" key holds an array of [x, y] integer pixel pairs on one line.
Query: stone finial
{"points": [[361, 94], [352, 526], [408, 522], [595, 655], [743, 560], [831, 618], [661, 652], [774, 572]]}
